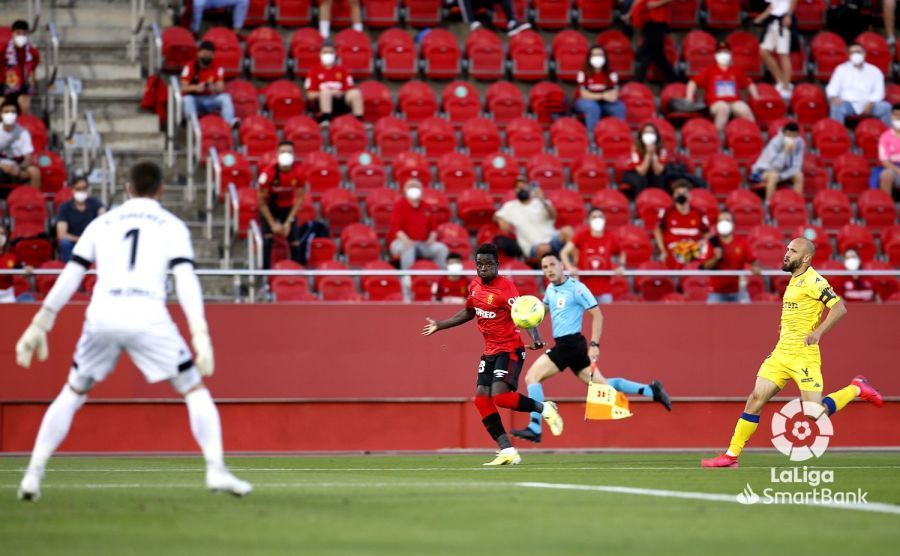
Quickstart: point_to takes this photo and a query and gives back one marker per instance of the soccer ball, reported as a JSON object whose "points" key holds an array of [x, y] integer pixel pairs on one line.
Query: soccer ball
{"points": [[527, 311]]}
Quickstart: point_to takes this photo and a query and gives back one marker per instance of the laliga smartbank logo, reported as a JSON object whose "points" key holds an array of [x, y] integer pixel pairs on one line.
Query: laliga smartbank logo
{"points": [[801, 430]]}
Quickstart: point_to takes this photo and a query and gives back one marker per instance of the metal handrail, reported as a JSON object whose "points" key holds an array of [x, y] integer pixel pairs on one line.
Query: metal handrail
{"points": [[108, 187], [51, 68], [254, 255], [193, 155], [34, 14], [90, 144], [232, 218], [70, 116], [154, 49], [213, 186], [138, 13], [173, 117]]}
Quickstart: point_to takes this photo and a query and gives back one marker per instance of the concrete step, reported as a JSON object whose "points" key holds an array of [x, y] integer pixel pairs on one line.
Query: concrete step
{"points": [[149, 144], [93, 53], [135, 123], [112, 14], [71, 37], [103, 71]]}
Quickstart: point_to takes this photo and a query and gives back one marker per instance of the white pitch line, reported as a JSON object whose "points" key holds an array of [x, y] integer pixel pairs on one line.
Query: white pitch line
{"points": [[404, 469], [448, 484], [876, 507]]}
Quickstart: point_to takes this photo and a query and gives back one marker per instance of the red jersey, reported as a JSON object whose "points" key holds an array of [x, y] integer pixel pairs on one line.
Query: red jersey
{"points": [[280, 187], [682, 233], [8, 261], [636, 159], [335, 78], [492, 303], [642, 14], [722, 84], [857, 289], [194, 74], [415, 222], [596, 82], [21, 65], [595, 253], [446, 287], [736, 254]]}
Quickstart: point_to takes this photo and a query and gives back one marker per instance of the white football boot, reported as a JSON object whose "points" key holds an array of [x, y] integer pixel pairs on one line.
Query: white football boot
{"points": [[220, 479]]}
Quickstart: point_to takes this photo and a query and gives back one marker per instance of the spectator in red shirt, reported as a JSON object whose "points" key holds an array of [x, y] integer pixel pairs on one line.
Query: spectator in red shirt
{"points": [[413, 233], [855, 288], [727, 251], [203, 86], [454, 287], [598, 90], [281, 188], [593, 249], [653, 17], [329, 86], [648, 162], [722, 84], [682, 229], [22, 59]]}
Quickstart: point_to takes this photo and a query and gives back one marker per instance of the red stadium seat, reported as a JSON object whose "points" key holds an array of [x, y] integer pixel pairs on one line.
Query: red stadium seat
{"points": [[229, 53], [614, 205], [788, 209], [832, 207], [547, 100], [257, 134], [322, 172], [815, 176], [704, 201], [851, 172], [831, 139], [456, 238], [354, 50], [475, 208], [890, 244], [892, 91], [769, 106], [619, 53], [745, 141], [670, 92], [179, 49], [594, 14], [267, 53], [745, 53], [684, 14], [552, 14], [293, 13], [417, 101], [590, 174], [817, 235], [36, 129], [769, 250], [649, 203], [570, 48], [284, 99], [215, 132], [527, 285], [634, 242], [747, 209], [423, 287], [528, 56], [244, 97], [504, 102], [828, 50], [481, 137], [399, 59], [640, 103], [722, 173], [613, 137], [810, 15], [569, 138], [723, 14], [878, 52], [25, 207], [290, 287], [887, 285], [695, 288], [377, 100], [423, 13], [379, 207], [392, 136], [341, 208], [436, 137], [546, 171], [44, 282], [484, 51], [460, 101], [335, 288], [235, 171], [867, 132], [698, 48], [410, 164], [381, 287], [32, 250], [347, 136], [520, 8], [700, 139], [248, 209], [366, 172], [499, 171], [858, 238], [456, 172], [54, 175], [340, 14], [60, 197], [305, 46], [654, 288], [441, 55], [876, 208], [525, 137], [380, 14], [321, 249], [569, 207], [304, 133], [809, 104]]}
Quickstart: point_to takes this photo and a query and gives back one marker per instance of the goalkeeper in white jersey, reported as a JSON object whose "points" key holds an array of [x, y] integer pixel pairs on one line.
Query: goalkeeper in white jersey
{"points": [[133, 247]]}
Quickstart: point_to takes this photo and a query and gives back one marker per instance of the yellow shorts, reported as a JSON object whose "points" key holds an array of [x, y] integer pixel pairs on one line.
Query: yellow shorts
{"points": [[804, 369]]}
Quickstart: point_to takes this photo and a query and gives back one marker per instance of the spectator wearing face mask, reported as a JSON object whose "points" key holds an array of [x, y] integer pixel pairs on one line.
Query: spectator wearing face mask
{"points": [[413, 231], [887, 176], [16, 151], [530, 217], [722, 84], [329, 86], [454, 287], [726, 251], [781, 162], [856, 88], [681, 229], [855, 288], [238, 14], [592, 248], [22, 60], [74, 216], [598, 90], [653, 17], [280, 194], [648, 162], [203, 86]]}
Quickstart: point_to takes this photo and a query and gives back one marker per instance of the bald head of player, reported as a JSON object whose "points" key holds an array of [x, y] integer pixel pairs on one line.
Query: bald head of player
{"points": [[145, 180], [487, 262], [799, 256]]}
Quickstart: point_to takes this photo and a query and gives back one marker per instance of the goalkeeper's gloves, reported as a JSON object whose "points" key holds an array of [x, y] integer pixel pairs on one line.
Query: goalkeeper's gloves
{"points": [[35, 338], [203, 351]]}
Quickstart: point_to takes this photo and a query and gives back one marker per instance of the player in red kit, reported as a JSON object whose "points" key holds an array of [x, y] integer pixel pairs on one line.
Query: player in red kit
{"points": [[490, 298]]}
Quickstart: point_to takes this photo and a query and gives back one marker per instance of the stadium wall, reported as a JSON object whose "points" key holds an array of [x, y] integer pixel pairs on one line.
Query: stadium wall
{"points": [[371, 382]]}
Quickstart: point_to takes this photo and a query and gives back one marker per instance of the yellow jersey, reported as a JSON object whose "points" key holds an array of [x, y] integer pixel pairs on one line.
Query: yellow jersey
{"points": [[805, 298]]}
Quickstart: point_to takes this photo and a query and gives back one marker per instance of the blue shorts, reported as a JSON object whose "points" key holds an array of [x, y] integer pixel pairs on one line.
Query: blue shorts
{"points": [[556, 246]]}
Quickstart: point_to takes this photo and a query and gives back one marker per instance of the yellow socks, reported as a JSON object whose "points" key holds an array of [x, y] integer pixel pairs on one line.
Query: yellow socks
{"points": [[836, 401], [744, 429]]}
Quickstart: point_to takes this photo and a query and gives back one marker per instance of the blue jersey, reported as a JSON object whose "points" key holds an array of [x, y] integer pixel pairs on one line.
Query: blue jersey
{"points": [[568, 302]]}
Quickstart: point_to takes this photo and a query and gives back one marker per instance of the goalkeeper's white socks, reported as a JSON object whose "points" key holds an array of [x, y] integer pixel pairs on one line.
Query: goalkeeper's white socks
{"points": [[206, 426]]}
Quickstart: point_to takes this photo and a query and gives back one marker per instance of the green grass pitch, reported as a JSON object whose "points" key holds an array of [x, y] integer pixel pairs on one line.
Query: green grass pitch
{"points": [[444, 504]]}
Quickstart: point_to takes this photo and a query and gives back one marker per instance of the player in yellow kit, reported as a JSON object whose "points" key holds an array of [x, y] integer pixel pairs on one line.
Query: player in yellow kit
{"points": [[796, 356]]}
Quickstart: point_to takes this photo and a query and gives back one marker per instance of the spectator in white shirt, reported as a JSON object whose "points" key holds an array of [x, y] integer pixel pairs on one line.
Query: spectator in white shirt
{"points": [[857, 89], [777, 18], [531, 218], [16, 151]]}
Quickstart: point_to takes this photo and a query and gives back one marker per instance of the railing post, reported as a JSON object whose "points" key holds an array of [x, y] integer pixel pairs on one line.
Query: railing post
{"points": [[213, 186]]}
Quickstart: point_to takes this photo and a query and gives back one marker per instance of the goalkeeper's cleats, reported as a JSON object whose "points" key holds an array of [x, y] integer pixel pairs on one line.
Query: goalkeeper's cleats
{"points": [[220, 479], [551, 415], [723, 460], [527, 434], [867, 392], [506, 456], [660, 395]]}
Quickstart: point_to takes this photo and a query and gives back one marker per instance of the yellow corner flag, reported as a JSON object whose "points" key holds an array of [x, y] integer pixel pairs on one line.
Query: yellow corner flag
{"points": [[604, 403]]}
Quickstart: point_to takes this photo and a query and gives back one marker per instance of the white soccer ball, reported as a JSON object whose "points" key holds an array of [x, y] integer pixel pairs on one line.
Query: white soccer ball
{"points": [[527, 311]]}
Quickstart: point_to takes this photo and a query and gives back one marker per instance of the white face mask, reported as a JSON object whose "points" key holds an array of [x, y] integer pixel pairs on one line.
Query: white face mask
{"points": [[285, 159], [80, 196], [414, 193], [9, 118], [723, 58], [648, 138], [789, 141], [327, 58], [597, 62], [851, 263], [2, 240], [896, 124], [857, 58], [725, 227], [20, 40], [455, 268], [597, 224]]}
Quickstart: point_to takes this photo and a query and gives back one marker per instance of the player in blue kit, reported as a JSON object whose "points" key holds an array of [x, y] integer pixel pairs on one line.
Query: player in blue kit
{"points": [[568, 299]]}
